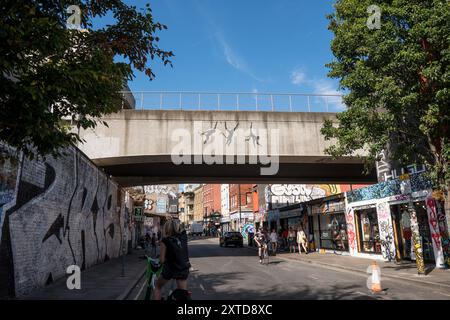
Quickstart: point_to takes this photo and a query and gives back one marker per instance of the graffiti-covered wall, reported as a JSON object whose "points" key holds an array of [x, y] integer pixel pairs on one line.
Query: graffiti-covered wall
{"points": [[280, 195], [386, 231], [61, 212], [415, 183]]}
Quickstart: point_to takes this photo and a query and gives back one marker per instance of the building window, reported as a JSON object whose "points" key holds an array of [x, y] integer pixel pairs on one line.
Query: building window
{"points": [[248, 198], [369, 235], [333, 231]]}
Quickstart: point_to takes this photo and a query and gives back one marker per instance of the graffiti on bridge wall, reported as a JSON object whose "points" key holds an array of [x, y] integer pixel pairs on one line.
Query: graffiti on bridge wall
{"points": [[8, 178], [65, 212]]}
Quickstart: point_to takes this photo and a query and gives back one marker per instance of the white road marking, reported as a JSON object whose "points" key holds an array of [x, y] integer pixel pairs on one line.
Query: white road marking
{"points": [[140, 290], [202, 287], [315, 278]]}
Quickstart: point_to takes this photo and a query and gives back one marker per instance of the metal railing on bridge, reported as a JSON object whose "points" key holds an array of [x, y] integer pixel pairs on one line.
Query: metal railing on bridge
{"points": [[236, 101]]}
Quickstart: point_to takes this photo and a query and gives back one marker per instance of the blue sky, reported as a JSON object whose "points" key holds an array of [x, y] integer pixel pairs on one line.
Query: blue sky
{"points": [[243, 46]]}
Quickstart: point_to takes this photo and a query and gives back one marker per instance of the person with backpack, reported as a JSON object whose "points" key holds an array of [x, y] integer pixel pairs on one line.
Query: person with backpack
{"points": [[174, 258]]}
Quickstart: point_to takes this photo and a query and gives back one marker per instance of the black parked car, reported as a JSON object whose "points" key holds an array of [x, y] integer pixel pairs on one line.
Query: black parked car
{"points": [[231, 237]]}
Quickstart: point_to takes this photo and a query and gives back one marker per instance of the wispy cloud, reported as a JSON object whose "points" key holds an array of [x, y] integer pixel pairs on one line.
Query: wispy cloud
{"points": [[323, 87], [327, 88], [298, 77], [233, 58], [230, 54]]}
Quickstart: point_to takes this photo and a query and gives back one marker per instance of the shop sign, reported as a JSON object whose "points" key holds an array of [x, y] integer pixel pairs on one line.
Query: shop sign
{"points": [[247, 215], [243, 215], [138, 214], [161, 205]]}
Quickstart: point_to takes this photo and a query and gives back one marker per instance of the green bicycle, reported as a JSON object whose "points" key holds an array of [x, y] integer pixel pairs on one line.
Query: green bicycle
{"points": [[154, 269]]}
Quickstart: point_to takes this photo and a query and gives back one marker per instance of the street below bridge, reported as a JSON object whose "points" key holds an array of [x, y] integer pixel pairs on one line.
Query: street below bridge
{"points": [[229, 273]]}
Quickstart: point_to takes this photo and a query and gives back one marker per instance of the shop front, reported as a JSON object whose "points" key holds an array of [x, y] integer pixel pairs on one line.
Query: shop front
{"points": [[238, 220], [225, 224], [291, 218], [368, 230], [402, 229], [331, 229], [382, 223]]}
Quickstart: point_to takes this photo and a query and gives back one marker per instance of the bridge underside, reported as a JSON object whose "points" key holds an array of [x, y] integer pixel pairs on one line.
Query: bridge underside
{"points": [[143, 170]]}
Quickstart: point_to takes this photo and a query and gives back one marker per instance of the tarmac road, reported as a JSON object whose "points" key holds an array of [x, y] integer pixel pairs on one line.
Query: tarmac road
{"points": [[235, 273]]}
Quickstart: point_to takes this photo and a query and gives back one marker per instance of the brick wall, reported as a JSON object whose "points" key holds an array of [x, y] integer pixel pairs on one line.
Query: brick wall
{"points": [[64, 211], [244, 190], [211, 198]]}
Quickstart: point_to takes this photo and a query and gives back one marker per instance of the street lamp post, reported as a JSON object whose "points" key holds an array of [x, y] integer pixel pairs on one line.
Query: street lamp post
{"points": [[239, 200]]}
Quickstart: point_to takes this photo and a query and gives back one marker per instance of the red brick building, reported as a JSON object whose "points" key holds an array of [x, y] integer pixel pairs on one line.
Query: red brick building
{"points": [[211, 203], [241, 205]]}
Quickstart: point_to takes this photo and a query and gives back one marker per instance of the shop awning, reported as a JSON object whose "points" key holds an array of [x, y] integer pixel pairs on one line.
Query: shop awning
{"points": [[162, 215]]}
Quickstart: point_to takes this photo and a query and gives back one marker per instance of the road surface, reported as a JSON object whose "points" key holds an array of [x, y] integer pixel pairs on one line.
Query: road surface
{"points": [[235, 273]]}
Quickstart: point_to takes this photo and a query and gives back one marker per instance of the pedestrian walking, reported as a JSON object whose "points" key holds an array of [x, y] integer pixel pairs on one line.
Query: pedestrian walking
{"points": [[147, 240], [159, 235], [302, 240], [291, 239], [274, 241], [153, 244], [284, 236]]}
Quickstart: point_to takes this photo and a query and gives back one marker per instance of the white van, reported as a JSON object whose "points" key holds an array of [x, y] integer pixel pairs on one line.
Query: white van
{"points": [[195, 229]]}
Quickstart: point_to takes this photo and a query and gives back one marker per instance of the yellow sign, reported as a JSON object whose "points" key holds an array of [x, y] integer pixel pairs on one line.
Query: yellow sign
{"points": [[404, 176]]}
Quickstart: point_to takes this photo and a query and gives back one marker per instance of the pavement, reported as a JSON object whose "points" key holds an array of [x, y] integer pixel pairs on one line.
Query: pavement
{"points": [[405, 270], [100, 282]]}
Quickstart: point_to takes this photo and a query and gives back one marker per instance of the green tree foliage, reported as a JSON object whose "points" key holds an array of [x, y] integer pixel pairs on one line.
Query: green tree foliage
{"points": [[50, 72], [396, 81]]}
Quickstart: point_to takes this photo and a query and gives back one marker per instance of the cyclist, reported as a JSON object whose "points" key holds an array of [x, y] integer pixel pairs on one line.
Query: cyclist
{"points": [[261, 241], [174, 258]]}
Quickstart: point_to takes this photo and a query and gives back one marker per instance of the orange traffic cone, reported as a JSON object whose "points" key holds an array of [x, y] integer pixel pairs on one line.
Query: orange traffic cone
{"points": [[376, 281]]}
